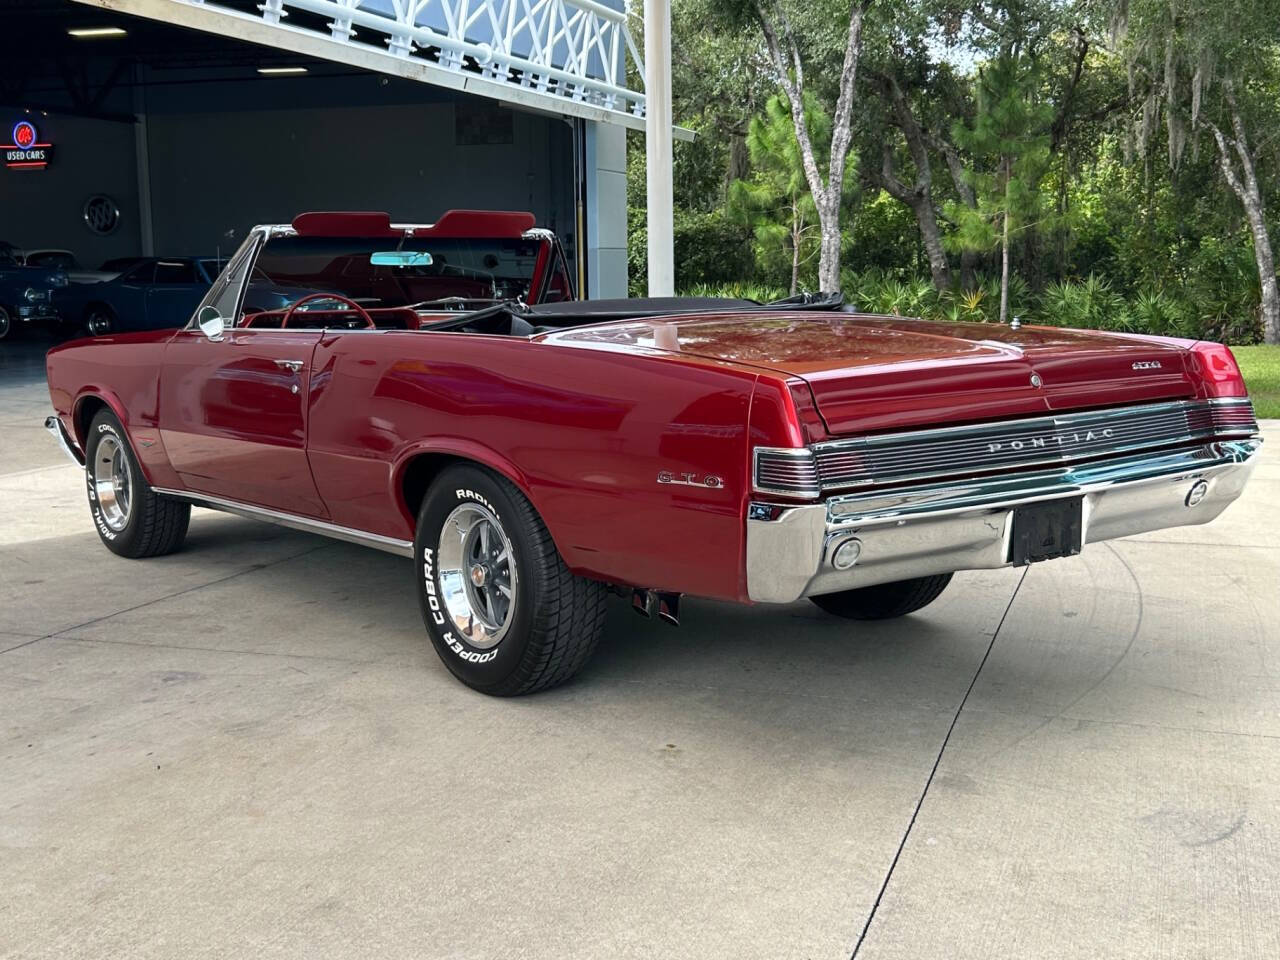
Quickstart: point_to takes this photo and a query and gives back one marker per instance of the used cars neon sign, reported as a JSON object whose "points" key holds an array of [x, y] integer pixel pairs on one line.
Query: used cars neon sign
{"points": [[26, 152]]}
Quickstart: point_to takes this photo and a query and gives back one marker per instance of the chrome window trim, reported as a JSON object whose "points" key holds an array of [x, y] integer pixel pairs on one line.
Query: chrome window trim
{"points": [[401, 548], [251, 247]]}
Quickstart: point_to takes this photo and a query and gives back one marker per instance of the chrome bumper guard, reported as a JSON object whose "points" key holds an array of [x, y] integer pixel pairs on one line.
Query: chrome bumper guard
{"points": [[943, 527], [55, 427]]}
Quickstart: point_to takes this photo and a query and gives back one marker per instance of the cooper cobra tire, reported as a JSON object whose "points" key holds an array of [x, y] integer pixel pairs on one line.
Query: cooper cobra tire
{"points": [[886, 600], [130, 518], [504, 613]]}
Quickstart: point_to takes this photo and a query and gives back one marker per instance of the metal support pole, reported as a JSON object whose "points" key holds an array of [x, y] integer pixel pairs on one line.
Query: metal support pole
{"points": [[580, 238], [142, 162], [657, 132]]}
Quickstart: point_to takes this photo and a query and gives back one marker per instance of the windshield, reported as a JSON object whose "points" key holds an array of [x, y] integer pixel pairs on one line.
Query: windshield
{"points": [[466, 269], [59, 259]]}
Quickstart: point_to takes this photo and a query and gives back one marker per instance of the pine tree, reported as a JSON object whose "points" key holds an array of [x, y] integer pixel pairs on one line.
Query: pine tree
{"points": [[1009, 141], [775, 200]]}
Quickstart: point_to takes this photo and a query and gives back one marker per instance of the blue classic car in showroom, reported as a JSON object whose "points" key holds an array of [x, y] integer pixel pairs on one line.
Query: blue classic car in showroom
{"points": [[26, 293], [155, 293]]}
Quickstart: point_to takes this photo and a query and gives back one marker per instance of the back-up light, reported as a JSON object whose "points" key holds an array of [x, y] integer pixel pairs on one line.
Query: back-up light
{"points": [[1217, 370]]}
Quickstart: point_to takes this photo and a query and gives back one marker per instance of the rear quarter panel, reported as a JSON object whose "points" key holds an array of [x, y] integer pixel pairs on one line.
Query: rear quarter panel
{"points": [[585, 435], [123, 372]]}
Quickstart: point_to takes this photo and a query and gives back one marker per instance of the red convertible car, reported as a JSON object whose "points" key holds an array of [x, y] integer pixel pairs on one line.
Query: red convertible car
{"points": [[533, 460]]}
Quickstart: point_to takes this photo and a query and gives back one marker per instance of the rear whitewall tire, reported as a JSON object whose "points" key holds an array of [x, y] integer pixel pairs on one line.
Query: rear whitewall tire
{"points": [[551, 620]]}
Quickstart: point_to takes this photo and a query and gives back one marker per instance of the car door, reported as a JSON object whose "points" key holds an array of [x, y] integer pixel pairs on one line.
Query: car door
{"points": [[233, 416], [233, 408], [177, 286]]}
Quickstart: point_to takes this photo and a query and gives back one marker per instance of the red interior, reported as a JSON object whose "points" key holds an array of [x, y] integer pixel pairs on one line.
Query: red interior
{"points": [[385, 318]]}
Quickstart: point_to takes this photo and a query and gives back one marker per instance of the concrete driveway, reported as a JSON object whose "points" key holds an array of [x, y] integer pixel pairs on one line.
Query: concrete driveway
{"points": [[249, 749]]}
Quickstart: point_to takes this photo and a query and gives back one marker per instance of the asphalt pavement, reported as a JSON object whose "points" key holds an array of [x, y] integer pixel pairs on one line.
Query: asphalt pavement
{"points": [[249, 749]]}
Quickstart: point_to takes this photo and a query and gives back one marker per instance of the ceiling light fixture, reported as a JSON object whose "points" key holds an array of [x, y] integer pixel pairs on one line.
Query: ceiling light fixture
{"points": [[281, 71], [89, 33]]}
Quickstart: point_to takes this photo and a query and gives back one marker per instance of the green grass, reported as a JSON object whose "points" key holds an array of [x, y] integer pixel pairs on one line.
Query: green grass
{"points": [[1261, 368]]}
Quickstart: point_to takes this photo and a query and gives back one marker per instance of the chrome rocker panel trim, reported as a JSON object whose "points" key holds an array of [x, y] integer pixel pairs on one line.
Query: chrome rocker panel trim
{"points": [[941, 528], [401, 548], [55, 427]]}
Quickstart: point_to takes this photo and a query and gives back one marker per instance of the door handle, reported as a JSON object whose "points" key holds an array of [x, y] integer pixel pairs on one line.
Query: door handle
{"points": [[294, 365]]}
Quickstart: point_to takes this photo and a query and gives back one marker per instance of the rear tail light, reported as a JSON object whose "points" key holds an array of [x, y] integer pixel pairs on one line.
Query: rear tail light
{"points": [[1217, 370], [786, 471], [1223, 416]]}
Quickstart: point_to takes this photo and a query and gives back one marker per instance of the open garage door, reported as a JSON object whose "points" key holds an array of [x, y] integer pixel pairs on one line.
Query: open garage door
{"points": [[173, 141]]}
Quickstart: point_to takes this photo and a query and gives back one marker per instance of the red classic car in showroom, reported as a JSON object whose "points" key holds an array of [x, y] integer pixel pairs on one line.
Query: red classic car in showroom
{"points": [[532, 460]]}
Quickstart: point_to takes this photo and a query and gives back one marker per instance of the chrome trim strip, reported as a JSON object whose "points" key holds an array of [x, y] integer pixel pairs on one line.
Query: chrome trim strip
{"points": [[55, 427], [401, 548], [946, 498], [927, 448], [980, 429]]}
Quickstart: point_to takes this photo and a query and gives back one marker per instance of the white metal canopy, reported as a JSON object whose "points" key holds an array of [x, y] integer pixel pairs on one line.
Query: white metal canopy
{"points": [[563, 56]]}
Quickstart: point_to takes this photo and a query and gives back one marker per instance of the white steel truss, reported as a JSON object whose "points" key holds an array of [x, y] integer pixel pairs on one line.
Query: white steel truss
{"points": [[568, 56]]}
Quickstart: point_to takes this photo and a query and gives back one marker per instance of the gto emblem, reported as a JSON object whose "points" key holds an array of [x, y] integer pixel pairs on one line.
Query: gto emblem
{"points": [[1147, 365], [709, 480], [1057, 439]]}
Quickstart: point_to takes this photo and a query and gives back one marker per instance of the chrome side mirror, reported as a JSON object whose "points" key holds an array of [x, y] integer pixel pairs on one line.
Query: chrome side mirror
{"points": [[211, 322]]}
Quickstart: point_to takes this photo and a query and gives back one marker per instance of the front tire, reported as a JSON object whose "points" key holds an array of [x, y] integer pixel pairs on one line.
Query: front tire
{"points": [[884, 601], [131, 519], [8, 330], [503, 611]]}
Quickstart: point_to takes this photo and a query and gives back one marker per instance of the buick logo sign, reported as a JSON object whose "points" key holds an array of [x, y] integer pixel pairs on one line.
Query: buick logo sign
{"points": [[101, 214]]}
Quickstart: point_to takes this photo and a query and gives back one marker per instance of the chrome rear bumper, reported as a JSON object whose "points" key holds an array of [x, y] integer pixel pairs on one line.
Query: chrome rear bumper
{"points": [[943, 527]]}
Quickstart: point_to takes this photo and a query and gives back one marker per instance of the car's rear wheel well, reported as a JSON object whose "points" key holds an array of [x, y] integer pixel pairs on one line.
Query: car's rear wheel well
{"points": [[86, 410], [419, 473]]}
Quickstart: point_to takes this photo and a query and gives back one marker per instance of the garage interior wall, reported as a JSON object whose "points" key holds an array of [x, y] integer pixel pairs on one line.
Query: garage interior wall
{"points": [[224, 153], [214, 175], [45, 208]]}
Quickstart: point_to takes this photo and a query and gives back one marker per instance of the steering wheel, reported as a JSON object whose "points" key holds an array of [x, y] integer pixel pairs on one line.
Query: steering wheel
{"points": [[355, 308]]}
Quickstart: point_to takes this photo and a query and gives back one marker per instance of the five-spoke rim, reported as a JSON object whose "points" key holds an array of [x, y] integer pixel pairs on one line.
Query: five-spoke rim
{"points": [[112, 482], [477, 575]]}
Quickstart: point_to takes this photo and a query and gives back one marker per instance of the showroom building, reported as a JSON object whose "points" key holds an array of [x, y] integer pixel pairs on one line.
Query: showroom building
{"points": [[170, 127]]}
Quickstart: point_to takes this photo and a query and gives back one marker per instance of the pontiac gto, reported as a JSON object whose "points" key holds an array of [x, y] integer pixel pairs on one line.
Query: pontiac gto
{"points": [[531, 460]]}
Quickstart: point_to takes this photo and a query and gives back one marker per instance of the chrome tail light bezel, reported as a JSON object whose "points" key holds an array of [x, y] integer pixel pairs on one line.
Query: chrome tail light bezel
{"points": [[785, 472]]}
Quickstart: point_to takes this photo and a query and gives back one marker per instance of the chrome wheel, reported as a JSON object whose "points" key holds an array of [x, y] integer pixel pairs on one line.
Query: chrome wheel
{"points": [[112, 482], [4, 323], [98, 323], [477, 575]]}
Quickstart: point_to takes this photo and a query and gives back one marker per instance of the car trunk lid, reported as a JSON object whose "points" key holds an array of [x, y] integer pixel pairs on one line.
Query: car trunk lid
{"points": [[871, 373]]}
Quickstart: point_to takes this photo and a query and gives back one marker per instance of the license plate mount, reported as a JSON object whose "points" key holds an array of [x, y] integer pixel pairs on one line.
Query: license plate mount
{"points": [[1046, 531]]}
